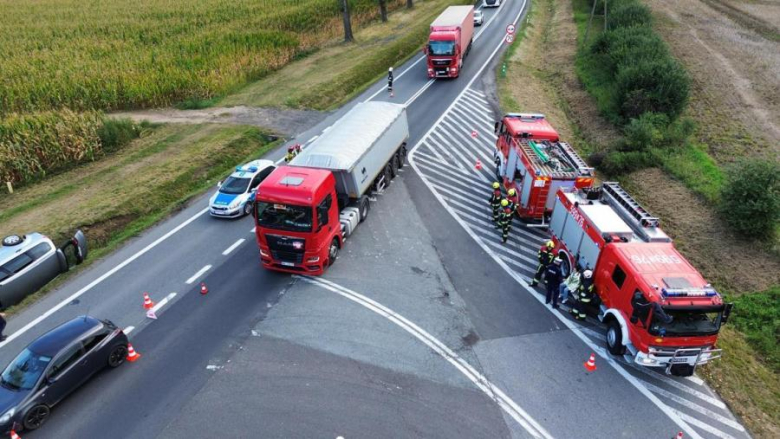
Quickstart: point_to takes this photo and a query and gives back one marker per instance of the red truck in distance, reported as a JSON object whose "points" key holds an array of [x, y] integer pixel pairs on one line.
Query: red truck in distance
{"points": [[657, 307], [305, 211], [531, 159], [449, 41]]}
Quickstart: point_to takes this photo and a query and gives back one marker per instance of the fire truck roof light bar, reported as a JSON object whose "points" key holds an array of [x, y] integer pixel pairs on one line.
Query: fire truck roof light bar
{"points": [[526, 115], [688, 292]]}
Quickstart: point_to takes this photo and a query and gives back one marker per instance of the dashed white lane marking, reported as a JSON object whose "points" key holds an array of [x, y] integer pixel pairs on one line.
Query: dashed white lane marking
{"points": [[479, 380], [695, 407], [420, 91], [677, 385], [233, 247], [214, 367], [165, 300], [252, 230], [92, 284], [696, 380], [198, 274], [128, 330]]}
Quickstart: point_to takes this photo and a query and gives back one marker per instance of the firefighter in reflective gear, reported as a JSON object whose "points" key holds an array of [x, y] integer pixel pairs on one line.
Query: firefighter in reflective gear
{"points": [[495, 202], [505, 220], [511, 195], [291, 153], [584, 295], [545, 258]]}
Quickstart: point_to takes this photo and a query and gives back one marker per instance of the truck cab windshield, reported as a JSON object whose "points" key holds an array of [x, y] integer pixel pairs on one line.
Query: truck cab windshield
{"points": [[687, 322], [234, 185], [441, 48], [284, 217]]}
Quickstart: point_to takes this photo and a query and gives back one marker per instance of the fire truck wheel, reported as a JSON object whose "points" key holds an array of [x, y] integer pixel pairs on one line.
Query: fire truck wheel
{"points": [[615, 338], [333, 251], [365, 207]]}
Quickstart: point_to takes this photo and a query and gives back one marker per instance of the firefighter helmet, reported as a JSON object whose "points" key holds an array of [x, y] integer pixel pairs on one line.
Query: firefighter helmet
{"points": [[496, 185], [504, 202], [550, 244], [587, 274], [511, 192]]}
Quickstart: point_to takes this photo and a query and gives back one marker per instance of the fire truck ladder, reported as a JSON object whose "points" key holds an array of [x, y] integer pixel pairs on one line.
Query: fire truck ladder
{"points": [[629, 209], [574, 158]]}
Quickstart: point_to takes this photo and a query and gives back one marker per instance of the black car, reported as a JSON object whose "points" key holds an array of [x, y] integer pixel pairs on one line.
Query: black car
{"points": [[54, 365]]}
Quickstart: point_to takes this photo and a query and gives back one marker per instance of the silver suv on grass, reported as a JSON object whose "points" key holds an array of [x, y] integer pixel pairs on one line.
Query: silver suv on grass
{"points": [[28, 262]]}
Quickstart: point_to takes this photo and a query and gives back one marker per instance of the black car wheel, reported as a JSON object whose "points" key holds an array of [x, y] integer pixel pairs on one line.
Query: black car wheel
{"points": [[117, 356], [35, 417], [248, 209]]}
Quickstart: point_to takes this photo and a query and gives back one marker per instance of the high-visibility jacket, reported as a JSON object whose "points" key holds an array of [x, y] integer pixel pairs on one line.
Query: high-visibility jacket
{"points": [[585, 291], [545, 256], [495, 199]]}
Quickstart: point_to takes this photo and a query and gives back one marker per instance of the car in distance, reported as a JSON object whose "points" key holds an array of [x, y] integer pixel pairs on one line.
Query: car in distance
{"points": [[479, 18], [236, 195], [491, 3], [28, 262], [53, 366]]}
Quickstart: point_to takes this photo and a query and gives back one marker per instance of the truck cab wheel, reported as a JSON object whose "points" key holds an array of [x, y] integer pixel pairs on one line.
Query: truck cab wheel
{"points": [[333, 251], [615, 339]]}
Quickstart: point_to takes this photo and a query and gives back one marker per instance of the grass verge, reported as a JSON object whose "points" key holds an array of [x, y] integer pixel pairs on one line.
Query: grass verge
{"points": [[120, 196], [332, 75]]}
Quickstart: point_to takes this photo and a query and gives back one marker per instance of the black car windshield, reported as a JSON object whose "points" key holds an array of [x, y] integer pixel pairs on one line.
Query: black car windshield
{"points": [[23, 373], [687, 322], [441, 48], [234, 185], [284, 217]]}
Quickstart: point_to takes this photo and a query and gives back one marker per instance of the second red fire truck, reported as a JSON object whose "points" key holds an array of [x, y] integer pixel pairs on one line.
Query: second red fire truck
{"points": [[531, 159], [657, 307]]}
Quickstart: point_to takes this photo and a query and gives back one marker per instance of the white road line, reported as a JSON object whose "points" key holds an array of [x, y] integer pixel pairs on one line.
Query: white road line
{"points": [[624, 373], [439, 155], [475, 102], [478, 93], [312, 139], [598, 336], [475, 115], [479, 144], [198, 274], [441, 143], [696, 380], [395, 78], [233, 247], [451, 171], [695, 407], [466, 125], [439, 162], [479, 380], [517, 244], [420, 91], [471, 155], [670, 382], [128, 330], [455, 180], [162, 303], [704, 426], [457, 151], [252, 230], [503, 248], [92, 284]]}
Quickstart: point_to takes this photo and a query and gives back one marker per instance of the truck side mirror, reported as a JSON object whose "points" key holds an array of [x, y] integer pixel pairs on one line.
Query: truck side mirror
{"points": [[726, 313]]}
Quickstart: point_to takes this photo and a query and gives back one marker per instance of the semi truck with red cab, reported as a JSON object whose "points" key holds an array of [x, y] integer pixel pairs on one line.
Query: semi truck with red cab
{"points": [[657, 308], [449, 41], [305, 211], [530, 158]]}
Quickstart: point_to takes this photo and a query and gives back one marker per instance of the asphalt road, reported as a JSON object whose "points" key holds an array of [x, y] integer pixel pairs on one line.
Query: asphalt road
{"points": [[263, 354]]}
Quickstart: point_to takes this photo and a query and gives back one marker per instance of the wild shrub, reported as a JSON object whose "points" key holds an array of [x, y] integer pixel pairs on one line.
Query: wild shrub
{"points": [[116, 133], [629, 45], [750, 200], [628, 14], [657, 86]]}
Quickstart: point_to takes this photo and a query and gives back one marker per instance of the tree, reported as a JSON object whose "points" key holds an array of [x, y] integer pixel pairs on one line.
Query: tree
{"points": [[383, 10], [347, 21], [409, 4]]}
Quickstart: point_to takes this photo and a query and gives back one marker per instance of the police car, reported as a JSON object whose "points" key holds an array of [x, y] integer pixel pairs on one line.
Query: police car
{"points": [[236, 195]]}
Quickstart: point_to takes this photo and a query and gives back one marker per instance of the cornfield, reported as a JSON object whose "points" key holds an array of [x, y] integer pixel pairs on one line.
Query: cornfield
{"points": [[115, 54], [65, 61]]}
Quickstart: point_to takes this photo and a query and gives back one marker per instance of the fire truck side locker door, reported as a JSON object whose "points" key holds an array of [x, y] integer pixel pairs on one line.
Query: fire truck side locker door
{"points": [[525, 195], [511, 164]]}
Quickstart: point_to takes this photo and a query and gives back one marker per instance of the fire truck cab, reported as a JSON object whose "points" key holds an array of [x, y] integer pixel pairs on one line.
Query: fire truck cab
{"points": [[656, 305], [531, 159]]}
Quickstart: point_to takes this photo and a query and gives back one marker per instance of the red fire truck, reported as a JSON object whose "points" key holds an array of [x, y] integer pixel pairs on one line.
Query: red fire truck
{"points": [[531, 159], [656, 305]]}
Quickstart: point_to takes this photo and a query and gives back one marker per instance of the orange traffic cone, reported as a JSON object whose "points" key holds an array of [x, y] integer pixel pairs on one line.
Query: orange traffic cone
{"points": [[591, 363], [132, 355], [14, 435], [203, 288], [478, 165], [147, 301]]}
